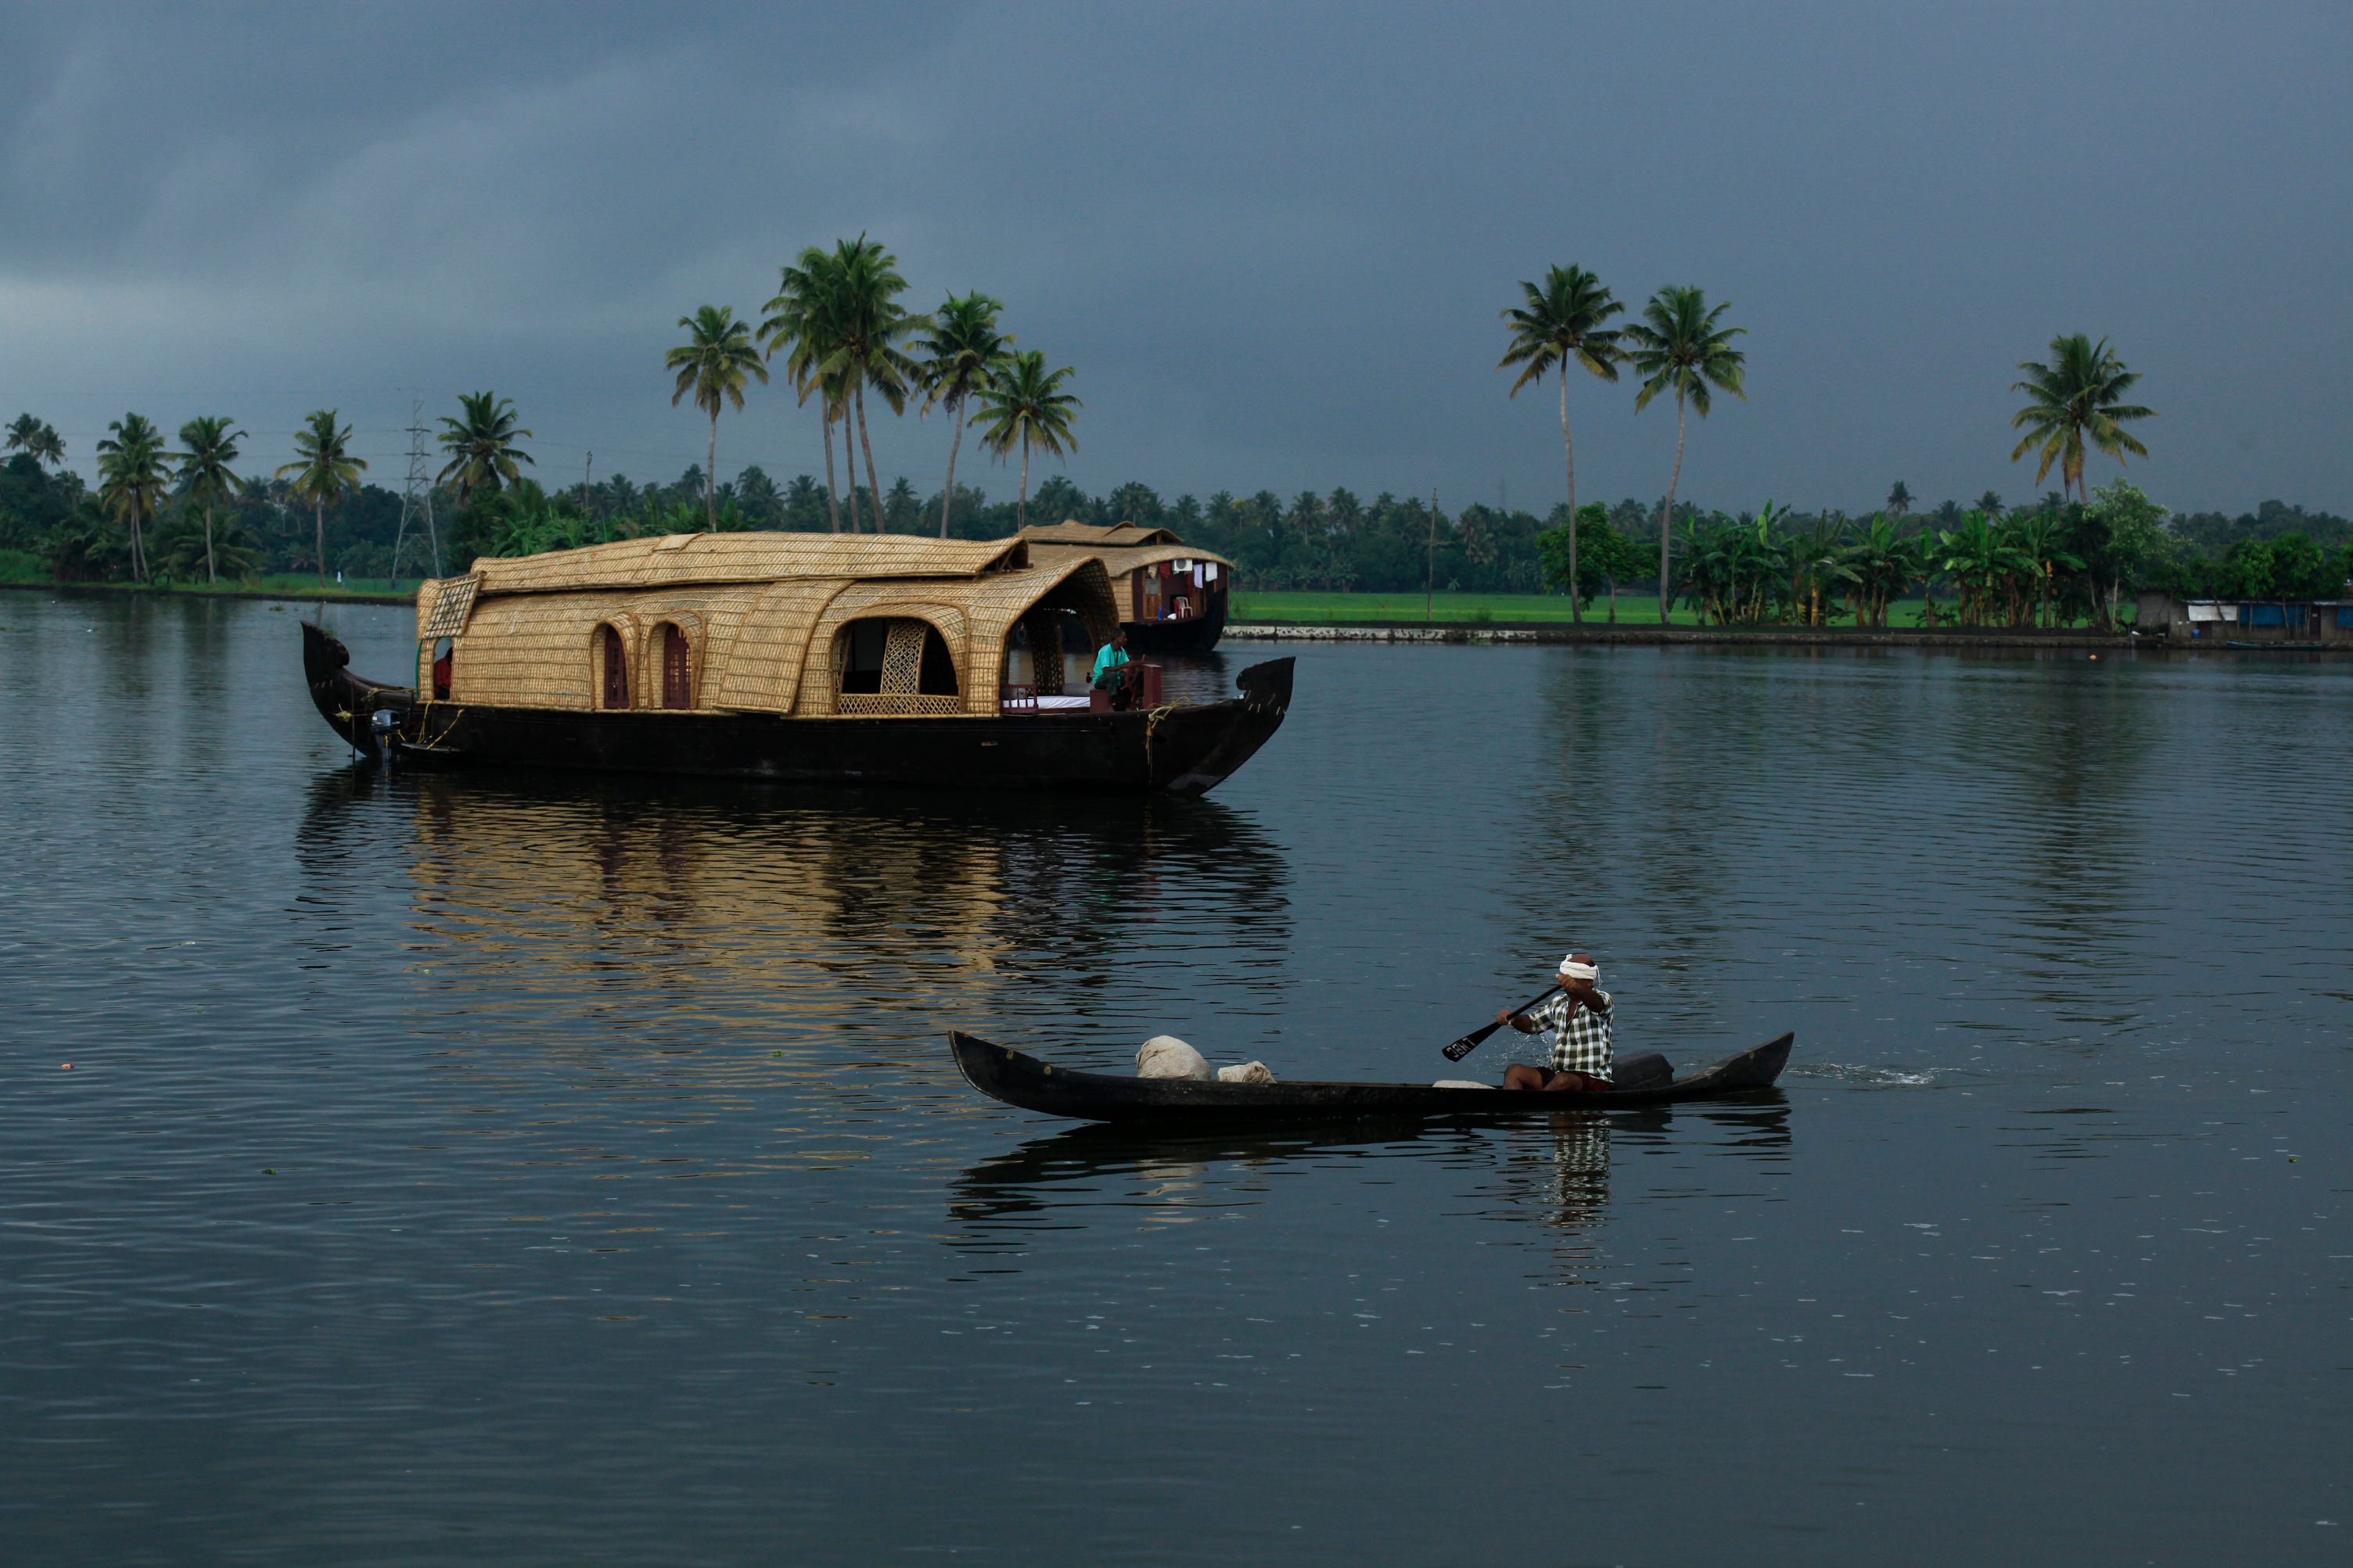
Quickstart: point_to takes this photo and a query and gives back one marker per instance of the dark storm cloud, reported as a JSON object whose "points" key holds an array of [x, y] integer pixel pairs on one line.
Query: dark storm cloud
{"points": [[1274, 240]]}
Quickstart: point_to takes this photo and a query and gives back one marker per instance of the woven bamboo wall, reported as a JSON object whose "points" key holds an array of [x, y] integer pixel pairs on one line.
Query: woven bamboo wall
{"points": [[539, 650], [756, 646], [763, 668]]}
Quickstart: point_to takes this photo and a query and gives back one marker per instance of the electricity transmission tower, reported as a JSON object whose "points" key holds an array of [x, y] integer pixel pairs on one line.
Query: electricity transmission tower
{"points": [[418, 497]]}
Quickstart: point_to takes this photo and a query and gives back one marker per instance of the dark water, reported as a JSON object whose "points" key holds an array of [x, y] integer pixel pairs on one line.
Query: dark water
{"points": [[528, 1170]]}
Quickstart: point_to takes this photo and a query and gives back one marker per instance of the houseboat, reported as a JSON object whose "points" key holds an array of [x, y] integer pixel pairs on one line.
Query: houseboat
{"points": [[1171, 595], [810, 658]]}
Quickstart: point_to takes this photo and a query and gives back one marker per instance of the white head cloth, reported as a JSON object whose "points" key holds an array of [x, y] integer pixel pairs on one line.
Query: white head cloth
{"points": [[1572, 970]]}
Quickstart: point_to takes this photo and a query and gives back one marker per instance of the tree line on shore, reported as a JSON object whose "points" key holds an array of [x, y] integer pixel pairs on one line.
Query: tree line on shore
{"points": [[1681, 348], [1823, 566], [836, 325], [837, 329]]}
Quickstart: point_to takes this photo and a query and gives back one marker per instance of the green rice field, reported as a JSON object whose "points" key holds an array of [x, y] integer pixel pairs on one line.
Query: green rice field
{"points": [[1287, 606]]}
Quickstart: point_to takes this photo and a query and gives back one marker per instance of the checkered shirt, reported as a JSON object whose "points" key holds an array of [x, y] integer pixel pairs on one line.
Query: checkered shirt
{"points": [[1580, 1040]]}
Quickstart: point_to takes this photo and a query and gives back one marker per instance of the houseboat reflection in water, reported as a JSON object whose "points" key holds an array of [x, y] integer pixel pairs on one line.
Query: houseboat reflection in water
{"points": [[805, 897], [586, 951]]}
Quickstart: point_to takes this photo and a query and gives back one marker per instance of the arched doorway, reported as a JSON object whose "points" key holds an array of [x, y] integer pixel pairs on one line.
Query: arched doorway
{"points": [[895, 665], [677, 667], [613, 667]]}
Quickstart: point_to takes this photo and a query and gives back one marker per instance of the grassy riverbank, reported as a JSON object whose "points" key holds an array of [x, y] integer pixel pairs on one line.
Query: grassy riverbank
{"points": [[1314, 608], [19, 570], [1278, 607]]}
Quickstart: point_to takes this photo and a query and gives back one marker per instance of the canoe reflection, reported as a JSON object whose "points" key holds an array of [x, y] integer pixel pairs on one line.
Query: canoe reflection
{"points": [[1098, 1164], [1557, 1170]]}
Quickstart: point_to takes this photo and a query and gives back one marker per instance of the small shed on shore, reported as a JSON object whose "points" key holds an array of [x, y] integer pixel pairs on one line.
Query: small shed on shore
{"points": [[814, 626], [2327, 621]]}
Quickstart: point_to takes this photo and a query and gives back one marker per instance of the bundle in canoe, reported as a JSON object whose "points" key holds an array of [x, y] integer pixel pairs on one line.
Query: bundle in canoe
{"points": [[1019, 1079]]}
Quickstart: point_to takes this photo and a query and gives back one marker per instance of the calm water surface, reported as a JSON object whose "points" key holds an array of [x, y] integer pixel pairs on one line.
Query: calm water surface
{"points": [[533, 1170]]}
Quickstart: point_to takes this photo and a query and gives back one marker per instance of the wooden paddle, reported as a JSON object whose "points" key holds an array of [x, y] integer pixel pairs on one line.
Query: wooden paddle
{"points": [[1476, 1038]]}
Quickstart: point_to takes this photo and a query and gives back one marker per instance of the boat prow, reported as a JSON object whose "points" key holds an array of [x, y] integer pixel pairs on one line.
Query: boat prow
{"points": [[1021, 1079], [349, 703]]}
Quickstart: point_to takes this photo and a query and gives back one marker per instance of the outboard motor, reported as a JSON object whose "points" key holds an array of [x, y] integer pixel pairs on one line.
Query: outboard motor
{"points": [[384, 733]]}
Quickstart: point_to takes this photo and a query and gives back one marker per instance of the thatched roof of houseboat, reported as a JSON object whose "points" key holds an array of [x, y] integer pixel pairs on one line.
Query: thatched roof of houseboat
{"points": [[1121, 547], [707, 558], [1108, 535]]}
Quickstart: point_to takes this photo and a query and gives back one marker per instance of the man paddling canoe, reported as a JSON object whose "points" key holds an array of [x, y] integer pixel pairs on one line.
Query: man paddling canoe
{"points": [[1579, 1015]]}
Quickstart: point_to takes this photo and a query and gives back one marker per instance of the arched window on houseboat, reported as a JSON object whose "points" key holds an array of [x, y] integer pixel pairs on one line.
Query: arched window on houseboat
{"points": [[445, 667], [677, 667], [612, 668], [897, 665]]}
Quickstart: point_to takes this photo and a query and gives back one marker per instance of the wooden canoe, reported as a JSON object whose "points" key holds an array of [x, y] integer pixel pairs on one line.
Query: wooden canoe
{"points": [[1019, 1079]]}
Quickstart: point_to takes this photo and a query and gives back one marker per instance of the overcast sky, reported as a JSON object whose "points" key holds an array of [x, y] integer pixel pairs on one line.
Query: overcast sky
{"points": [[1272, 240]]}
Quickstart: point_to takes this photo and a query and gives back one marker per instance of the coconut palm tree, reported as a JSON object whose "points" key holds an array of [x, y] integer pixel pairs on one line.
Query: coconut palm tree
{"points": [[1024, 404], [961, 352], [867, 326], [323, 470], [25, 436], [800, 325], [184, 547], [718, 357], [134, 471], [49, 448], [1680, 346], [902, 506], [480, 441], [1899, 499], [205, 473], [2072, 400], [1564, 321]]}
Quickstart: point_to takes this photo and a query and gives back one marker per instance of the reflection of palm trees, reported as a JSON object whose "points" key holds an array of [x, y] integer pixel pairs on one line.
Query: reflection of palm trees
{"points": [[2073, 753], [1624, 812]]}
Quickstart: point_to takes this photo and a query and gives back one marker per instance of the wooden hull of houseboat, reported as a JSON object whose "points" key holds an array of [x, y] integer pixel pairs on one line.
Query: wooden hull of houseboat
{"points": [[1186, 749], [1198, 635]]}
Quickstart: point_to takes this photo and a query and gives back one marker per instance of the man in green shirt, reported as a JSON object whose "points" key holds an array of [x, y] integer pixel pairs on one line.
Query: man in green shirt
{"points": [[1110, 668]]}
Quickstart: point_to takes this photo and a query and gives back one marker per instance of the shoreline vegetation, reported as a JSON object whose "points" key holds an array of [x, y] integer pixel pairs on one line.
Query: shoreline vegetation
{"points": [[837, 330], [1455, 618]]}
